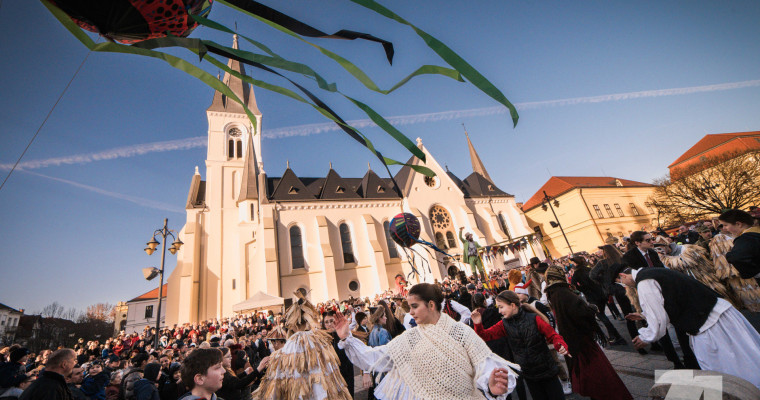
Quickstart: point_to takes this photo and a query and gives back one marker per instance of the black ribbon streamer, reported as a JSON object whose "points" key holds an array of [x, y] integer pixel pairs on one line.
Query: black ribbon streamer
{"points": [[303, 29]]}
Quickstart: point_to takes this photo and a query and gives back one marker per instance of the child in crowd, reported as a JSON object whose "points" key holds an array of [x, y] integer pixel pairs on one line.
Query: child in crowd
{"points": [[202, 373], [527, 333], [94, 384]]}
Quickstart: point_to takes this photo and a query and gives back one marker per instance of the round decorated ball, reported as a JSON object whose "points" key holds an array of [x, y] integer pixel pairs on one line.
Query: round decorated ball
{"points": [[405, 229]]}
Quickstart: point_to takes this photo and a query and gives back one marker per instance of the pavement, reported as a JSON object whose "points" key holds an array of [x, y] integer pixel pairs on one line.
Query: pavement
{"points": [[636, 370]]}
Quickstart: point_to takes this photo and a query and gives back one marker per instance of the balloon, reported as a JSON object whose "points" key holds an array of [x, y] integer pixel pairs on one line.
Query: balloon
{"points": [[405, 229], [128, 22]]}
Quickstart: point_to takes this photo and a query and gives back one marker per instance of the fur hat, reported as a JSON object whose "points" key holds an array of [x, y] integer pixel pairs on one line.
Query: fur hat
{"points": [[555, 274]]}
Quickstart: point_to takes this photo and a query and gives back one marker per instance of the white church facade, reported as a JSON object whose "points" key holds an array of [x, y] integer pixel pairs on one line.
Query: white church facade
{"points": [[247, 232]]}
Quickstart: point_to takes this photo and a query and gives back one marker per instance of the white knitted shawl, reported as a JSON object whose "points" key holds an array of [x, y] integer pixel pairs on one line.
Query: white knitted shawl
{"points": [[436, 361]]}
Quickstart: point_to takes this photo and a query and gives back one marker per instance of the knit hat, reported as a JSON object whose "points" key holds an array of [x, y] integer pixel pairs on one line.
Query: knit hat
{"points": [[19, 353], [523, 288], [554, 274], [151, 372], [703, 229]]}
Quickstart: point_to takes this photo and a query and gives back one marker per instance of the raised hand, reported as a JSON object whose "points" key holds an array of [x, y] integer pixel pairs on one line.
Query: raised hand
{"points": [[476, 318], [341, 325]]}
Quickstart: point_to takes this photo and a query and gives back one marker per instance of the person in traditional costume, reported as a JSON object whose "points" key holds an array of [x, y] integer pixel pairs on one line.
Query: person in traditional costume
{"points": [[527, 332], [745, 256], [722, 339], [591, 373], [691, 260], [306, 367], [746, 290], [534, 275], [470, 254], [438, 359]]}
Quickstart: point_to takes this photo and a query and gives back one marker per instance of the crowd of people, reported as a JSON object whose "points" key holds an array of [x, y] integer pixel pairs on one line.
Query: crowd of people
{"points": [[537, 329]]}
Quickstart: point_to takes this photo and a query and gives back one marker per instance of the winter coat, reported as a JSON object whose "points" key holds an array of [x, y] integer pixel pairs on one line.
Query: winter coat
{"points": [[146, 390], [94, 387], [48, 386]]}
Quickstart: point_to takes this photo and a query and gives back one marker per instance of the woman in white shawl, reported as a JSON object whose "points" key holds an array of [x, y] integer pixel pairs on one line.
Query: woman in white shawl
{"points": [[438, 359]]}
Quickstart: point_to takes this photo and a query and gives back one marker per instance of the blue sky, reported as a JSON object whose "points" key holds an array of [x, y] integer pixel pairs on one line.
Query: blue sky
{"points": [[592, 80]]}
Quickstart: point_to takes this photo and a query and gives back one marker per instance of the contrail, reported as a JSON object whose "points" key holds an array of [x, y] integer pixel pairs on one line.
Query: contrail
{"points": [[314, 129], [132, 199]]}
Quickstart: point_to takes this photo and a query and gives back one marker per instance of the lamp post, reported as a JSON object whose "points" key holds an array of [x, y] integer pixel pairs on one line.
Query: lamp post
{"points": [[548, 200], [151, 273]]}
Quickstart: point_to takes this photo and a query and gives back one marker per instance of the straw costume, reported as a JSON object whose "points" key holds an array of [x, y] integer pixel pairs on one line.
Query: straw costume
{"points": [[306, 368], [746, 290]]}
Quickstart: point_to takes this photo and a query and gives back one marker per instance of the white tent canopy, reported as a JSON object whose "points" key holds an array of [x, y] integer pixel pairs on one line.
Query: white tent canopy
{"points": [[259, 301]]}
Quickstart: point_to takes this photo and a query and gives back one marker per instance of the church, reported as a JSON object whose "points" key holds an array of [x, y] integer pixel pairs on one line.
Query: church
{"points": [[247, 232]]}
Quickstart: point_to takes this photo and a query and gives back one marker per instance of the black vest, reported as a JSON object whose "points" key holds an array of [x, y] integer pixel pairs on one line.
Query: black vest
{"points": [[529, 346], [687, 301]]}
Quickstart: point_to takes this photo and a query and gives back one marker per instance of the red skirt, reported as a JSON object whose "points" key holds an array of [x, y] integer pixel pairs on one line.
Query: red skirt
{"points": [[592, 375]]}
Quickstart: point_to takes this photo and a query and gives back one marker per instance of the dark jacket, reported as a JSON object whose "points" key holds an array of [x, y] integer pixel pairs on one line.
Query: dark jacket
{"points": [[49, 386], [745, 255], [687, 301], [76, 393], [94, 387], [146, 390], [234, 387], [602, 275], [11, 374], [346, 367], [688, 237], [592, 290], [634, 259], [529, 346]]}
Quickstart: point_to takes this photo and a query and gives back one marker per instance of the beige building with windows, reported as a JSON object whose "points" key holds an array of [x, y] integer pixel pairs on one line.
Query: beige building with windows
{"points": [[247, 232], [590, 210]]}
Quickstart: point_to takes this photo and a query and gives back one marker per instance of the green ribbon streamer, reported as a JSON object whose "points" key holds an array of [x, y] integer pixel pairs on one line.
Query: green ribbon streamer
{"points": [[448, 55]]}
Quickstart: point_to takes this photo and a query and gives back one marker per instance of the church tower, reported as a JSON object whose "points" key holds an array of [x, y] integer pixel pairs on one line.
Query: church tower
{"points": [[234, 154]]}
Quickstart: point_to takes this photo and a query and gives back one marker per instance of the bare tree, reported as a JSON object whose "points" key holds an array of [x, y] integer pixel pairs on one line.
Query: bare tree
{"points": [[72, 314], [53, 310], [708, 188], [100, 312]]}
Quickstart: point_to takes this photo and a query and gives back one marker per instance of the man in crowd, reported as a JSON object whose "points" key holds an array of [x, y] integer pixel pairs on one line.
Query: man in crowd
{"points": [[51, 385], [669, 296], [643, 254], [73, 380], [686, 235], [13, 372], [470, 254]]}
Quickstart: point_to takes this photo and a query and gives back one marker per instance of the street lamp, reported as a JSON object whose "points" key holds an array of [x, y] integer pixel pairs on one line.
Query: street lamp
{"points": [[552, 201], [151, 273]]}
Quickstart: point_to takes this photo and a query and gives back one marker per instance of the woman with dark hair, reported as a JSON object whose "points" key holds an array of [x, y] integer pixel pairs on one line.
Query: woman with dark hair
{"points": [[438, 346], [595, 295], [745, 256], [591, 373], [237, 387], [602, 273], [392, 324]]}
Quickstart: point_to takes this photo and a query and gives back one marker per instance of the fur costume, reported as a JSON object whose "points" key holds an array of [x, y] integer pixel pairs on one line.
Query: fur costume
{"points": [[692, 260], [746, 290], [307, 367]]}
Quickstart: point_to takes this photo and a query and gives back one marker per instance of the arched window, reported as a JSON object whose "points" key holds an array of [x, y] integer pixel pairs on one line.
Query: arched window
{"points": [[503, 223], [231, 149], [345, 241], [296, 247], [392, 252], [441, 221], [450, 239], [239, 149], [439, 240]]}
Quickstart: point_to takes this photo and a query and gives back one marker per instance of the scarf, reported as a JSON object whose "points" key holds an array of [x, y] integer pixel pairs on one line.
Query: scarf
{"points": [[576, 320], [447, 349]]}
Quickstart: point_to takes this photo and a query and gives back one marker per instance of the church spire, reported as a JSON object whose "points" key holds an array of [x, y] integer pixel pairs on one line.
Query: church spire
{"points": [[477, 164], [241, 89], [249, 181]]}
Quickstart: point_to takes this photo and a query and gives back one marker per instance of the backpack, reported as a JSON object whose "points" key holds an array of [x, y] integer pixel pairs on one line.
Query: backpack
{"points": [[123, 386]]}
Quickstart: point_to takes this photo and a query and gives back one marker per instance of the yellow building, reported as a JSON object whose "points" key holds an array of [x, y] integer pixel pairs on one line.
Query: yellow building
{"points": [[590, 210]]}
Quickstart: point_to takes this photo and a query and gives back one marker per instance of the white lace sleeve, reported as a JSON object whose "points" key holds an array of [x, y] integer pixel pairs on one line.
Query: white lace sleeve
{"points": [[484, 370], [365, 357]]}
